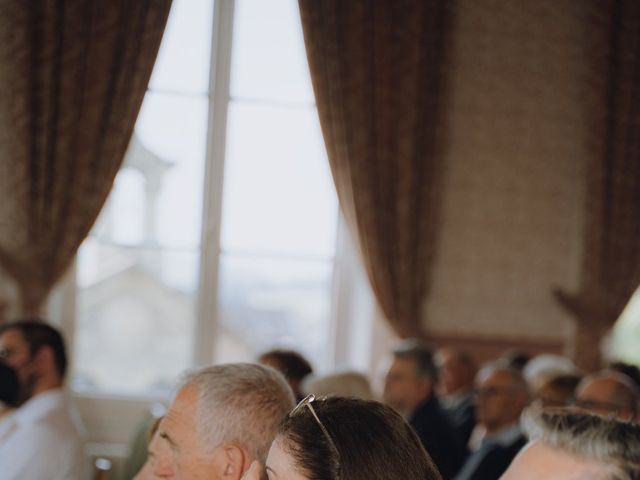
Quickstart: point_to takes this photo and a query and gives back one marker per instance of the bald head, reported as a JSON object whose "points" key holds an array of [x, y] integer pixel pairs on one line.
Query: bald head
{"points": [[608, 393]]}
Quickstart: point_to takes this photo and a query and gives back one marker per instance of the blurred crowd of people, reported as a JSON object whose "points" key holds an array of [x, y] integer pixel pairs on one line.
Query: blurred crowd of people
{"points": [[440, 415]]}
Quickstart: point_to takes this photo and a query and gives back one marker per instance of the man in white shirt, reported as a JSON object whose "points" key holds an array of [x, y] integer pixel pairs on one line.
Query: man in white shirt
{"points": [[42, 440]]}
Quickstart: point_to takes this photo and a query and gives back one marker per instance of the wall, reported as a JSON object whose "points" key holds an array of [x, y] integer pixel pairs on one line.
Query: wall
{"points": [[512, 217]]}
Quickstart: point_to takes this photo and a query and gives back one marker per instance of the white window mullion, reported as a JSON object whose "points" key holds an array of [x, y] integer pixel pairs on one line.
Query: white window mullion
{"points": [[207, 316]]}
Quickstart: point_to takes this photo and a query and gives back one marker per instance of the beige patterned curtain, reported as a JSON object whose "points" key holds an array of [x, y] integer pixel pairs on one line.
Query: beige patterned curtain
{"points": [[611, 261], [73, 74], [378, 71]]}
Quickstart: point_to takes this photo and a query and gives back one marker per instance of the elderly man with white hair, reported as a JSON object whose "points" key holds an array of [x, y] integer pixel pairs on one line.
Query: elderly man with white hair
{"points": [[223, 418], [566, 445]]}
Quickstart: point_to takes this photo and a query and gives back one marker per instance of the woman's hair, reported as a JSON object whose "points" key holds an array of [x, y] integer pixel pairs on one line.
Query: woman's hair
{"points": [[361, 440]]}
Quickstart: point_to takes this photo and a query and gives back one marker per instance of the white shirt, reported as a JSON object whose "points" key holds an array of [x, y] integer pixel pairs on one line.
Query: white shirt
{"points": [[42, 441]]}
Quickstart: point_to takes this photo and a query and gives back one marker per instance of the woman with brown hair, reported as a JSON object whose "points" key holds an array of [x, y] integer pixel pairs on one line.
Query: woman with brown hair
{"points": [[345, 439]]}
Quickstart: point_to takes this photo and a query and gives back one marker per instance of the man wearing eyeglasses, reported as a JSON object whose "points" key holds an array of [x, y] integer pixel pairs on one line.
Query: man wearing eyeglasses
{"points": [[223, 418], [608, 393], [43, 437], [501, 396]]}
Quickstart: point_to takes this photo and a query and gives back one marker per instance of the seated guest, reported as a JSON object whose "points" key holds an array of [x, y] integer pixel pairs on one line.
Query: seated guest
{"points": [[223, 418], [565, 445], [502, 394], [456, 371], [45, 440], [9, 393], [291, 364], [410, 388], [343, 384], [542, 367], [556, 391], [345, 439], [608, 393]]}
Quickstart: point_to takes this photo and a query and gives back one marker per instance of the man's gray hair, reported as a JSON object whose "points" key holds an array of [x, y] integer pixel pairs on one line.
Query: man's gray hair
{"points": [[240, 403], [603, 440]]}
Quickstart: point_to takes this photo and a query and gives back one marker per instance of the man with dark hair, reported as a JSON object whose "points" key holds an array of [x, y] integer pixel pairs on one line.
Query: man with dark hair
{"points": [[410, 388], [291, 364], [44, 440]]}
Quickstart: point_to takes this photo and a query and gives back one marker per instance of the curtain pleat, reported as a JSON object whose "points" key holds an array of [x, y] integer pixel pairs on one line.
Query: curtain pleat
{"points": [[379, 73], [74, 74], [611, 239]]}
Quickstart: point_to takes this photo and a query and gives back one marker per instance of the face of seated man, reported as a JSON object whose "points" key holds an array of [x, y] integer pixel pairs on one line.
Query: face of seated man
{"points": [[500, 399], [539, 461], [405, 389], [180, 453]]}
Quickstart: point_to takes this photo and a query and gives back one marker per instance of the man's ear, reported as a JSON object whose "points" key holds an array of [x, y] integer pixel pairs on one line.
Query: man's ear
{"points": [[235, 461]]}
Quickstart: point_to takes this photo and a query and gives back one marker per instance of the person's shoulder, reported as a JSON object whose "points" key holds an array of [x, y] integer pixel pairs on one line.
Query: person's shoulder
{"points": [[41, 435], [433, 425], [31, 448], [49, 436], [517, 445], [497, 460]]}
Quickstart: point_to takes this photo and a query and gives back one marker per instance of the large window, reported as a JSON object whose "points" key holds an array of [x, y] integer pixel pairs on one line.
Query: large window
{"points": [[279, 209], [139, 273]]}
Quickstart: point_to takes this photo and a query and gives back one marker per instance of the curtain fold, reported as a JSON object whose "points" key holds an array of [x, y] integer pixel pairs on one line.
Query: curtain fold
{"points": [[611, 245], [74, 74], [379, 70]]}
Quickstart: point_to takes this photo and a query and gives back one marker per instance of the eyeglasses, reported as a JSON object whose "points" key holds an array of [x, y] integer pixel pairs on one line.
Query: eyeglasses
{"points": [[597, 406], [306, 402]]}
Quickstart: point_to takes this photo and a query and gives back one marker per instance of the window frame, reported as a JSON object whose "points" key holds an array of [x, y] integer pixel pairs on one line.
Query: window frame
{"points": [[351, 344]]}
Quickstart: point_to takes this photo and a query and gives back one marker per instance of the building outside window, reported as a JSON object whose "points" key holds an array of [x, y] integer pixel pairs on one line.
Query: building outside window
{"points": [[250, 221]]}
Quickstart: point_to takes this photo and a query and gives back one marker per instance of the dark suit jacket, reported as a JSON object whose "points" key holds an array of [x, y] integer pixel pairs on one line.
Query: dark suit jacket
{"points": [[463, 418], [492, 460], [433, 426]]}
